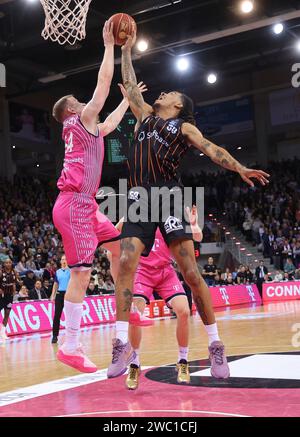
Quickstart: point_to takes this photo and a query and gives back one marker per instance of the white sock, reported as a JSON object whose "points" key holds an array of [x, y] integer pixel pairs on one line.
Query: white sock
{"points": [[122, 331], [183, 353], [73, 312], [136, 361], [212, 332]]}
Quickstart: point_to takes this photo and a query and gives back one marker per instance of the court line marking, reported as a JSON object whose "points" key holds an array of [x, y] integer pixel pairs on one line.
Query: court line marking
{"points": [[49, 387], [219, 413]]}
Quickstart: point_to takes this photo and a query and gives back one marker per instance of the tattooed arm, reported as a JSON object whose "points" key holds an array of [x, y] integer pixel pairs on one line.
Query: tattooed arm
{"points": [[137, 104], [221, 157]]}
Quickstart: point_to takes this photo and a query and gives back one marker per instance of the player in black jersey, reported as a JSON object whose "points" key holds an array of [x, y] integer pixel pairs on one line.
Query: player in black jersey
{"points": [[8, 280], [165, 132]]}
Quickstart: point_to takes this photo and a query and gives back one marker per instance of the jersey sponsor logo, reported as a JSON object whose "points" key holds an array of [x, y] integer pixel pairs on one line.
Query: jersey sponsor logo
{"points": [[172, 224], [69, 143], [141, 136], [70, 121], [172, 127], [155, 135]]}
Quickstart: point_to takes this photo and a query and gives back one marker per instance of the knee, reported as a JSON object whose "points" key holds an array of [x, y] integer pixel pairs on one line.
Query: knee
{"points": [[128, 264], [183, 313], [192, 277]]}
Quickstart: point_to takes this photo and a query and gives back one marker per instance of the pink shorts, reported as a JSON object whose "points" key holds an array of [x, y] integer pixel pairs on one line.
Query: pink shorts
{"points": [[82, 227], [164, 281]]}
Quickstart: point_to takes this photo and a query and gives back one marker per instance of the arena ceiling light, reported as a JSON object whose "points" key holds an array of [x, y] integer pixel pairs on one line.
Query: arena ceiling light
{"points": [[246, 6], [298, 45], [142, 45], [182, 64], [278, 28], [212, 78]]}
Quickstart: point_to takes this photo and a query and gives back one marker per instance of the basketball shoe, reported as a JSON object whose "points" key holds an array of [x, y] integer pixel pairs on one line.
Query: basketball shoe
{"points": [[77, 359], [183, 376], [122, 356], [219, 366], [132, 380]]}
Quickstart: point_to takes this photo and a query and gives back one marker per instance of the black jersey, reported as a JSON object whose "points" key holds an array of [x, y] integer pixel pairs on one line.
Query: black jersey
{"points": [[7, 282], [154, 156]]}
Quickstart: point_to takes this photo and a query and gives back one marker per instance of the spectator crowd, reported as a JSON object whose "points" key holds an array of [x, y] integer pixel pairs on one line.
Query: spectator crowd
{"points": [[29, 239], [269, 218]]}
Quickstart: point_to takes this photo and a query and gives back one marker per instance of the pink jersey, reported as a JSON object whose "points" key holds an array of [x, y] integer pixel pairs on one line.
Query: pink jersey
{"points": [[159, 256], [83, 161]]}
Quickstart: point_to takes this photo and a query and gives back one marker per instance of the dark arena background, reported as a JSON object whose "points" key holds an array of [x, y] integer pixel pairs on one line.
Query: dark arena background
{"points": [[240, 63]]}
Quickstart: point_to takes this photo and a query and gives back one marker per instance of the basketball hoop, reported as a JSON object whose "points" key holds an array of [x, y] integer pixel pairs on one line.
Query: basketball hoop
{"points": [[65, 20]]}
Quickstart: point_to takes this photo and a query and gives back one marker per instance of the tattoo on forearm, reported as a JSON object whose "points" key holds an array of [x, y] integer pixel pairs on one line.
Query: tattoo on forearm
{"points": [[127, 296], [223, 158], [130, 81]]}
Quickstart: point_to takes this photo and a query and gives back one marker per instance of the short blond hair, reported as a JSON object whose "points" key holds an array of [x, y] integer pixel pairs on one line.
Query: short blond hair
{"points": [[59, 108]]}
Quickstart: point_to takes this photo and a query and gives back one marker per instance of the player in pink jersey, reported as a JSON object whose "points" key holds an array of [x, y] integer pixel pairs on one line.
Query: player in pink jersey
{"points": [[75, 212]]}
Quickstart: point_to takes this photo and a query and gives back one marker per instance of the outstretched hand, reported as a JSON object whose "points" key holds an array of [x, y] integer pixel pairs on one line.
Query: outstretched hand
{"points": [[141, 86], [248, 173], [192, 215], [108, 35], [131, 40]]}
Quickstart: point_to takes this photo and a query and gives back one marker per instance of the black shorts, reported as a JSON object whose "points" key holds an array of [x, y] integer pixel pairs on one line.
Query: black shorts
{"points": [[156, 212], [6, 302]]}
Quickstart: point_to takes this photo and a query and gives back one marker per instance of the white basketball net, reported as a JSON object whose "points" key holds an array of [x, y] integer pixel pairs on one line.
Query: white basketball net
{"points": [[65, 20]]}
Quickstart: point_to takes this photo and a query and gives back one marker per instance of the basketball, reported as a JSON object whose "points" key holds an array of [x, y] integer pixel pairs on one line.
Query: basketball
{"points": [[124, 25]]}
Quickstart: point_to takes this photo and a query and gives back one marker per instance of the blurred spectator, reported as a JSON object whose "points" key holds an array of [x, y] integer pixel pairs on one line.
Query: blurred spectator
{"points": [[278, 276], [92, 288], [29, 280], [268, 278], [23, 294], [241, 277], [218, 280], [249, 275], [47, 288], [109, 285], [229, 280], [209, 272], [21, 266], [260, 273], [37, 293], [289, 268]]}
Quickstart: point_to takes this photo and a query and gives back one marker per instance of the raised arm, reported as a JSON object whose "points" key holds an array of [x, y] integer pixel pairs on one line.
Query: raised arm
{"points": [[114, 119], [221, 157], [91, 111], [137, 104]]}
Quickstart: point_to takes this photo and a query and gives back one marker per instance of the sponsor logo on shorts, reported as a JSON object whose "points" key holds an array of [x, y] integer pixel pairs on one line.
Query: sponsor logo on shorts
{"points": [[172, 224], [134, 195]]}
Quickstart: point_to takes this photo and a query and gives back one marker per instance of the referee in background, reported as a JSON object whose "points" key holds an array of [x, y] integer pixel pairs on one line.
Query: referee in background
{"points": [[61, 280]]}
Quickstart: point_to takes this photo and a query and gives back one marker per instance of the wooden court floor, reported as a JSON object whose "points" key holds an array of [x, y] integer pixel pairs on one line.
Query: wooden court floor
{"points": [[262, 340]]}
